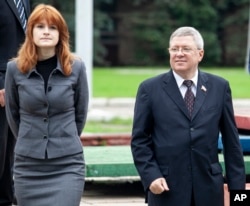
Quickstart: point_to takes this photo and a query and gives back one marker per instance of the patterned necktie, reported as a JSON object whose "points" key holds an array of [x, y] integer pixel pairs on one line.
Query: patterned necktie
{"points": [[189, 96], [20, 9]]}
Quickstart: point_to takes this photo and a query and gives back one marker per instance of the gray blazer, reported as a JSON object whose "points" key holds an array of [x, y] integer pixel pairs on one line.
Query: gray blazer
{"points": [[48, 122]]}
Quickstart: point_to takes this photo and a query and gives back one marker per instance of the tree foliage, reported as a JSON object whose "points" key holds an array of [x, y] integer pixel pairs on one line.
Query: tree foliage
{"points": [[220, 22], [140, 29]]}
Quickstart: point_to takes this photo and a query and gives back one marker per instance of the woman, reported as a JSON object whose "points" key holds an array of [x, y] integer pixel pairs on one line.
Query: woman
{"points": [[46, 106]]}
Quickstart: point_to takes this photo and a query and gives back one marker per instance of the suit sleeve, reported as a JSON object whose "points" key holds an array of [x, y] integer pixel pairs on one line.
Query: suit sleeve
{"points": [[141, 143], [234, 162]]}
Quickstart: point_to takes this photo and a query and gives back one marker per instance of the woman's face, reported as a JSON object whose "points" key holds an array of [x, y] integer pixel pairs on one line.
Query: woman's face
{"points": [[45, 36]]}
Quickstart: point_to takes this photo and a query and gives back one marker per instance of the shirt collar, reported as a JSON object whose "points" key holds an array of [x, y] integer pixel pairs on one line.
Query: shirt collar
{"points": [[179, 79], [33, 70]]}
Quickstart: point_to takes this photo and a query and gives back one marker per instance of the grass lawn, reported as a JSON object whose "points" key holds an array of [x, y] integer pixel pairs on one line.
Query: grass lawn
{"points": [[116, 125], [123, 82]]}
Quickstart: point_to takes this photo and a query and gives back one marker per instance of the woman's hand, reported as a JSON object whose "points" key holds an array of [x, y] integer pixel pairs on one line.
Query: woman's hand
{"points": [[2, 97]]}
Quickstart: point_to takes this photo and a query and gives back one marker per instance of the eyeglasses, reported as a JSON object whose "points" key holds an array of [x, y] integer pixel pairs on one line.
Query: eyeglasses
{"points": [[184, 50]]}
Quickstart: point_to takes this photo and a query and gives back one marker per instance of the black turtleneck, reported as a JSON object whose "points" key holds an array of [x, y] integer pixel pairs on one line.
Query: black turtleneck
{"points": [[45, 67]]}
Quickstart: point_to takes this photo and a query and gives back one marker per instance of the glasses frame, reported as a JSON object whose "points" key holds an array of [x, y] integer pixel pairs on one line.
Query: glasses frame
{"points": [[183, 50]]}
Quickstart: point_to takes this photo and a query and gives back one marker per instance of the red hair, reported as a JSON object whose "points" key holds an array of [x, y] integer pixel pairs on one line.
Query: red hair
{"points": [[27, 54]]}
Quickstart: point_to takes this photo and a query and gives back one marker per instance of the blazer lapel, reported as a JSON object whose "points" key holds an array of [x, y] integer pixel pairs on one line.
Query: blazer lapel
{"points": [[170, 86]]}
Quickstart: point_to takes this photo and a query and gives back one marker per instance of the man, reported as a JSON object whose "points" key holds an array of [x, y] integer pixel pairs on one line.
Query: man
{"points": [[174, 145], [12, 32]]}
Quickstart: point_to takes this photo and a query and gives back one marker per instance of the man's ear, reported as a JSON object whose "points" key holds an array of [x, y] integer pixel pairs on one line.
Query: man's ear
{"points": [[201, 54]]}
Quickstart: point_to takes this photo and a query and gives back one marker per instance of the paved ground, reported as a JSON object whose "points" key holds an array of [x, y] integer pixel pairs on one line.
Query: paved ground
{"points": [[108, 108], [113, 194], [242, 106]]}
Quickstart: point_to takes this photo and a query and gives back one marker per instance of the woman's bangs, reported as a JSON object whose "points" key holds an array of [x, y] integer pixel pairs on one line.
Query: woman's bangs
{"points": [[49, 17]]}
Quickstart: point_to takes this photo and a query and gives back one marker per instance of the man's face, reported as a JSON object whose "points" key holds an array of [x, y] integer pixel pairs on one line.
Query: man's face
{"points": [[184, 55]]}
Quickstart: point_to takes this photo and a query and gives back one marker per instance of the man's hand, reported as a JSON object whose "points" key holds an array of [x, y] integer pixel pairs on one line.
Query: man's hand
{"points": [[2, 99], [158, 186]]}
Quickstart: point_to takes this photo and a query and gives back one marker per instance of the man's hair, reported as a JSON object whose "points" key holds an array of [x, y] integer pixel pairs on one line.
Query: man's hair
{"points": [[189, 31]]}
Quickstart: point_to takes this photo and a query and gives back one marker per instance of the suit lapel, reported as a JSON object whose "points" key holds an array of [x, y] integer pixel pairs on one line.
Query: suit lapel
{"points": [[26, 8], [201, 93], [12, 6], [171, 88]]}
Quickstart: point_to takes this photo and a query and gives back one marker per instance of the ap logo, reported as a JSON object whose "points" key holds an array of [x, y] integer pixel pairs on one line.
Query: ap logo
{"points": [[240, 198]]}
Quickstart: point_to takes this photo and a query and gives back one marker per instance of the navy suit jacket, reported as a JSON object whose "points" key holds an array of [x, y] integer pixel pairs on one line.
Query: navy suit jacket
{"points": [[11, 37], [167, 143], [11, 31]]}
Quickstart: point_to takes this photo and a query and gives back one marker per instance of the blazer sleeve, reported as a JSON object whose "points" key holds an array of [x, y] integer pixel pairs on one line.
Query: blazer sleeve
{"points": [[81, 98], [11, 98]]}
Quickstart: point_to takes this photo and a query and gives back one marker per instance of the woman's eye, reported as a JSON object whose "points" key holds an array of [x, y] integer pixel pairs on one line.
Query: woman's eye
{"points": [[39, 26], [53, 27]]}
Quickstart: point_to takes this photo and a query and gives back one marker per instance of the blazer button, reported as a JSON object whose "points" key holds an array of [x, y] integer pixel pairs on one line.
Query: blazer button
{"points": [[45, 137], [49, 88], [45, 119], [191, 129]]}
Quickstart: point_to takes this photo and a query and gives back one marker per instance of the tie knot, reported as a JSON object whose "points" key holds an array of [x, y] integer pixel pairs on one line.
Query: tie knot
{"points": [[188, 83]]}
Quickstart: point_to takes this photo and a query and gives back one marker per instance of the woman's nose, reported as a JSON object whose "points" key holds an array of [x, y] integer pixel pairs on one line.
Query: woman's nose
{"points": [[46, 30]]}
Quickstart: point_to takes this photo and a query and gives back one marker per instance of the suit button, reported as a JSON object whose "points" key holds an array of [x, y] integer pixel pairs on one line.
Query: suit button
{"points": [[45, 137], [191, 129], [45, 119], [49, 88]]}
